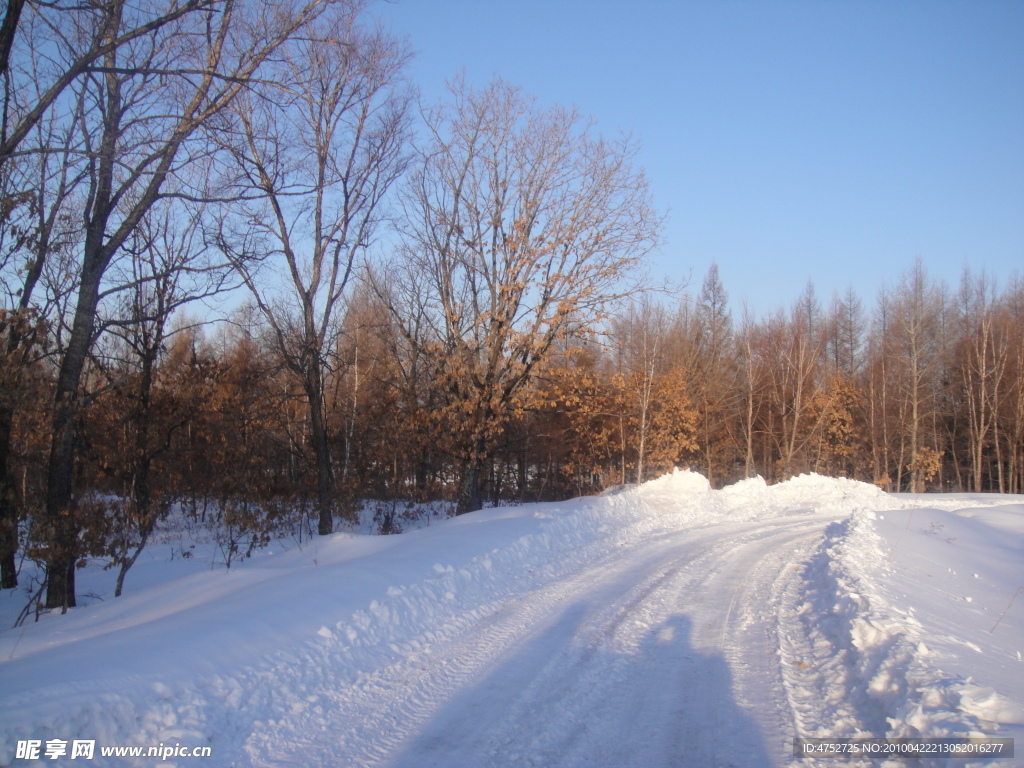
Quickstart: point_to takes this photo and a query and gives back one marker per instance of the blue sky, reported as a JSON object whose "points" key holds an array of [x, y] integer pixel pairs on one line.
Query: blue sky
{"points": [[788, 141]]}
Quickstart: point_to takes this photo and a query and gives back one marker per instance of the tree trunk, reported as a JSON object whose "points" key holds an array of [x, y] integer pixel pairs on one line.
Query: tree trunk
{"points": [[141, 496], [8, 31], [59, 510], [749, 458], [350, 435], [8, 507], [471, 497], [321, 451]]}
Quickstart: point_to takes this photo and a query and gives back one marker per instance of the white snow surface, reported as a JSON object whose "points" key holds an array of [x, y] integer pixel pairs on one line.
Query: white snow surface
{"points": [[665, 624]]}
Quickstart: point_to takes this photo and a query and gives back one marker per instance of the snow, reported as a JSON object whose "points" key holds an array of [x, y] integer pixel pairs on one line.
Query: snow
{"points": [[653, 625]]}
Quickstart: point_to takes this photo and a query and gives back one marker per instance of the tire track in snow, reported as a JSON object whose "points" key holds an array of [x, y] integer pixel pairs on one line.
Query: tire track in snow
{"points": [[638, 659], [750, 637], [745, 633], [372, 718]]}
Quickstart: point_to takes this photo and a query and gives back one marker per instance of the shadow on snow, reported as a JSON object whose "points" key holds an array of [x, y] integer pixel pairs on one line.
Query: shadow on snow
{"points": [[572, 697]]}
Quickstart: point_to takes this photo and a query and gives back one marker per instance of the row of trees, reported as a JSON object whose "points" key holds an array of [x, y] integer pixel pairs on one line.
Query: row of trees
{"points": [[154, 156], [923, 392], [498, 345]]}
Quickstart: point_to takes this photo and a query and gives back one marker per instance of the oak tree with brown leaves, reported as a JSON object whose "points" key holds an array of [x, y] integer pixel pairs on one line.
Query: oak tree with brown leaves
{"points": [[521, 225]]}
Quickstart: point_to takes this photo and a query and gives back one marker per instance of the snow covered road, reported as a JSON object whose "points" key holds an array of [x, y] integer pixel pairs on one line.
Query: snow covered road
{"points": [[664, 655], [666, 625]]}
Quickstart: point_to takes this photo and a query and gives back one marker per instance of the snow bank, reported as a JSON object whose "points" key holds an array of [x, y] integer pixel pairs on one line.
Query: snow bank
{"points": [[215, 658], [902, 625], [753, 499]]}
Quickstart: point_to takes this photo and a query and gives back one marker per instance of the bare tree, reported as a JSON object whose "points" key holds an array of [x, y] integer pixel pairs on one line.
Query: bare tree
{"points": [[639, 336], [169, 267], [37, 189], [1012, 407], [795, 346], [650, 376], [984, 355], [845, 331], [522, 224], [913, 342], [320, 144], [750, 359], [31, 91], [144, 101], [713, 380]]}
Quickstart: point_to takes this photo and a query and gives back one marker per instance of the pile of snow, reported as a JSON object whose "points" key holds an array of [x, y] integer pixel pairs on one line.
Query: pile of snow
{"points": [[753, 499]]}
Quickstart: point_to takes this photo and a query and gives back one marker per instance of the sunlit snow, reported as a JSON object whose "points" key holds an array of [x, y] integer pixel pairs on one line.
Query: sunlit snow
{"points": [[669, 624]]}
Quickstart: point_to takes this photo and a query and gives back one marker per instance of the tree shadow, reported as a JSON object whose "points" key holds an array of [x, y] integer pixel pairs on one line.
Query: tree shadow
{"points": [[576, 695]]}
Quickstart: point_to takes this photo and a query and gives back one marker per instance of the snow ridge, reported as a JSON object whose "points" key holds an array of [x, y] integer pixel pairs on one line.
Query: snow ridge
{"points": [[844, 657], [856, 665]]}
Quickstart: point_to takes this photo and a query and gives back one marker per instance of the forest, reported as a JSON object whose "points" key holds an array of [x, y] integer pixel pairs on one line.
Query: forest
{"points": [[247, 277]]}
